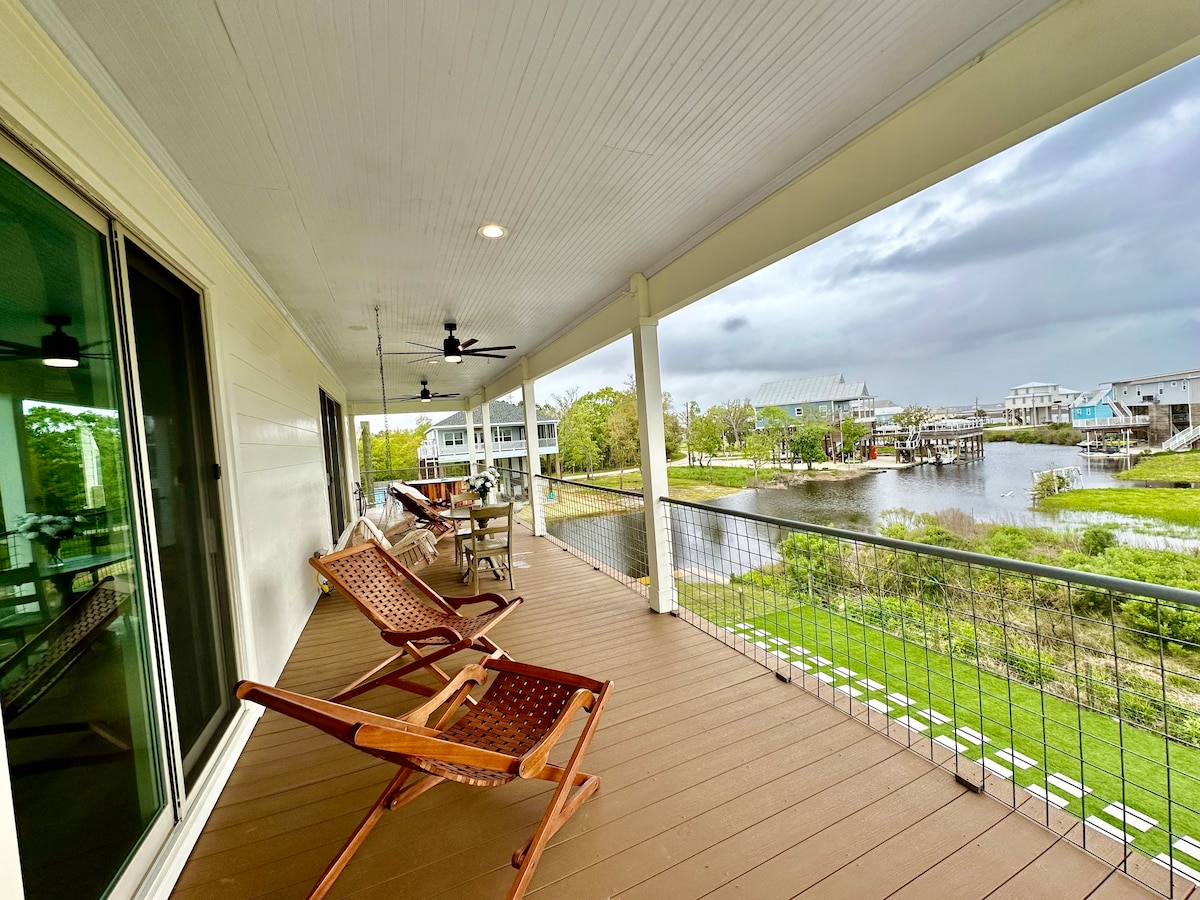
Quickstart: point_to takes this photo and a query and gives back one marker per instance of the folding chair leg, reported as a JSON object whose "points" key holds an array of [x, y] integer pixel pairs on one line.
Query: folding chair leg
{"points": [[334, 869], [395, 677], [563, 804]]}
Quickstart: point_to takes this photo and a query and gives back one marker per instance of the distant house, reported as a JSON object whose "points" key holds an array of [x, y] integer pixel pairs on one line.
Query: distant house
{"points": [[446, 441], [828, 397], [1093, 406], [1038, 403], [1170, 401]]}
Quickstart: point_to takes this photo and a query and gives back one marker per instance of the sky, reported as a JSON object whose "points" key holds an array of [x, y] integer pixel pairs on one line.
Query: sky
{"points": [[1073, 258]]}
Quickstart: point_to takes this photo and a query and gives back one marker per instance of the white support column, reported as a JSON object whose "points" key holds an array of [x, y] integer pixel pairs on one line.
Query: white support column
{"points": [[469, 415], [485, 414], [653, 447], [532, 453]]}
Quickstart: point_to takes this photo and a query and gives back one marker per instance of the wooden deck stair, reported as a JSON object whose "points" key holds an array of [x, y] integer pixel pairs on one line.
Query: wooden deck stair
{"points": [[719, 780]]}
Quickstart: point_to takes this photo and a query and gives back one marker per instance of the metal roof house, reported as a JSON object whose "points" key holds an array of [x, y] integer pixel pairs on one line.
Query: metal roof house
{"points": [[828, 397], [1038, 403], [503, 424], [219, 218], [1171, 403]]}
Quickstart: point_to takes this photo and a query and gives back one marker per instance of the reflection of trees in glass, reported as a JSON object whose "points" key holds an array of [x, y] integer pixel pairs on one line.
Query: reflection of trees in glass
{"points": [[55, 458]]}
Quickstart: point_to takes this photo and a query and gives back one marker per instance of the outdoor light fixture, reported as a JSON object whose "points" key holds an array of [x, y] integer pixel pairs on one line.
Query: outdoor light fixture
{"points": [[493, 231], [59, 349]]}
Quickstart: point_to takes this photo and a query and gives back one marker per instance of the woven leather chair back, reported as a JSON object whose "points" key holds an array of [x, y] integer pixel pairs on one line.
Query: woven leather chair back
{"points": [[371, 580]]}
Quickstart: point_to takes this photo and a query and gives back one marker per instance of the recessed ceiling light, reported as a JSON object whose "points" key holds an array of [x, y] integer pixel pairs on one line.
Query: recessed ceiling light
{"points": [[492, 230], [356, 327]]}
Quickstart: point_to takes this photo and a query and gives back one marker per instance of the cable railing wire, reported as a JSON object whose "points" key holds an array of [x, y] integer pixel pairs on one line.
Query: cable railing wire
{"points": [[1072, 697]]}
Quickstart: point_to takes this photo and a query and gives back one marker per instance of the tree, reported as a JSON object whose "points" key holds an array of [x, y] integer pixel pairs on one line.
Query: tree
{"points": [[775, 423], [853, 431], [913, 416], [760, 448], [623, 444], [808, 442], [705, 437], [672, 432], [737, 421], [397, 446], [576, 444], [55, 457]]}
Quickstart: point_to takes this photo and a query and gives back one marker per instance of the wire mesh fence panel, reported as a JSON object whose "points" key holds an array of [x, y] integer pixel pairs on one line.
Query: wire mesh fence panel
{"points": [[602, 526], [1073, 697]]}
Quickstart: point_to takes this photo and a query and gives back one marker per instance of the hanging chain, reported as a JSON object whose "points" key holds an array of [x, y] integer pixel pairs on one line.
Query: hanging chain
{"points": [[387, 431]]}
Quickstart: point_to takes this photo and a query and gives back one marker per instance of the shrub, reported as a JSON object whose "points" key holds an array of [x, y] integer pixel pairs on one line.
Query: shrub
{"points": [[1159, 622], [1096, 539]]}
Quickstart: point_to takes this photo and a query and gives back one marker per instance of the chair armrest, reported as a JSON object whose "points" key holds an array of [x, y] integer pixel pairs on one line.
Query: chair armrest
{"points": [[332, 718], [400, 638], [398, 739], [499, 601], [471, 674], [538, 755]]}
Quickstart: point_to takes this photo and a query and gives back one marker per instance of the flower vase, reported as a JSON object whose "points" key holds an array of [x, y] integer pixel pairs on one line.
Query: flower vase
{"points": [[52, 548], [483, 495]]}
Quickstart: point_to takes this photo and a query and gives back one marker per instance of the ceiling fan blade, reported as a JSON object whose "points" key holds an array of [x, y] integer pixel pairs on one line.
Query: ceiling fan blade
{"points": [[434, 358], [398, 399], [486, 355], [409, 353], [489, 349], [439, 396], [465, 344], [24, 348], [93, 344], [426, 346]]}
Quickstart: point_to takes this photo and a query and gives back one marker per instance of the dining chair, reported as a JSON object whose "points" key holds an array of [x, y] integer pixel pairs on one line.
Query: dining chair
{"points": [[462, 528], [490, 540]]}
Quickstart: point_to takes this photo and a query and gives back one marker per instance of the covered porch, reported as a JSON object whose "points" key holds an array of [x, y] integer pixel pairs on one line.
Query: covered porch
{"points": [[718, 779]]}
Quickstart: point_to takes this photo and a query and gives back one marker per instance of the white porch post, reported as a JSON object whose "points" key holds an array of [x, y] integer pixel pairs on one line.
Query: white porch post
{"points": [[653, 447], [469, 415], [532, 453], [485, 414]]}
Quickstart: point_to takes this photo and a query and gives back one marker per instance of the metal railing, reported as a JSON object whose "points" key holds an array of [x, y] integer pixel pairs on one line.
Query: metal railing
{"points": [[1112, 422], [604, 527], [1055, 691]]}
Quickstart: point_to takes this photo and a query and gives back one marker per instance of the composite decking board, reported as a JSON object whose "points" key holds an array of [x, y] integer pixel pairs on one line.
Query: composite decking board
{"points": [[716, 774], [984, 863], [1062, 871]]}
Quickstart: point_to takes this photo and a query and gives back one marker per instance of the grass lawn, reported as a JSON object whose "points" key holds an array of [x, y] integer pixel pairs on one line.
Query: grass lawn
{"points": [[695, 483], [1178, 505], [1056, 734], [1165, 467]]}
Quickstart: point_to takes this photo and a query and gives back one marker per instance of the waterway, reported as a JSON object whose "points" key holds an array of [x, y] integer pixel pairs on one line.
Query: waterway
{"points": [[994, 489]]}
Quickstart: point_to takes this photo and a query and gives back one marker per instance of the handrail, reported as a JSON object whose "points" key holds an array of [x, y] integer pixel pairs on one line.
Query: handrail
{"points": [[1091, 579], [594, 487]]}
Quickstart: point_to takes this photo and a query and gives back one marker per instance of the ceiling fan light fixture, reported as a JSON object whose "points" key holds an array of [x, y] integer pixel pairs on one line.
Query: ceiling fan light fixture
{"points": [[492, 231], [59, 349]]}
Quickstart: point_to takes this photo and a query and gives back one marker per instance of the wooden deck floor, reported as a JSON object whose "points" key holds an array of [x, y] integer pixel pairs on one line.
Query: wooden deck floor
{"points": [[719, 780]]}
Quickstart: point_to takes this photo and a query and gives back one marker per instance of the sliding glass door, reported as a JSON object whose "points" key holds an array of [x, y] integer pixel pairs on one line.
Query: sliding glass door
{"points": [[77, 688], [176, 418]]}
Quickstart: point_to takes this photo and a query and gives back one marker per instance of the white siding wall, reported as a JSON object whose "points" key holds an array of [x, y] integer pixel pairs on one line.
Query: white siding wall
{"points": [[266, 377]]}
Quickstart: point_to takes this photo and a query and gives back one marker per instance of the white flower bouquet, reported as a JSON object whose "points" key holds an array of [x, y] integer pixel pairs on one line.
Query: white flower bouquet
{"points": [[48, 530], [484, 482]]}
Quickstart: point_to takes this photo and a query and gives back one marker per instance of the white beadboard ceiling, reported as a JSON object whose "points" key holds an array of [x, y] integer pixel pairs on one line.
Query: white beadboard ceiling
{"points": [[352, 148]]}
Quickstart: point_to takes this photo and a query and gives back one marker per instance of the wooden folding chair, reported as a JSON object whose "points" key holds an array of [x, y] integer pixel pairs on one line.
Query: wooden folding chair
{"points": [[509, 734], [410, 615], [428, 516]]}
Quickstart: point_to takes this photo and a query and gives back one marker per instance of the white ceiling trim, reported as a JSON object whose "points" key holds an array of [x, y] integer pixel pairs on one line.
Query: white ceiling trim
{"points": [[76, 49]]}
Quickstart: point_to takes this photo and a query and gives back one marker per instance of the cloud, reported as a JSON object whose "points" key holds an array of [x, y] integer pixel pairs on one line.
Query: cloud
{"points": [[1070, 258]]}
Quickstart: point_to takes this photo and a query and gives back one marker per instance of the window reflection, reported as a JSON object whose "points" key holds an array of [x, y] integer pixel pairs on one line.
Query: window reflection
{"points": [[74, 685]]}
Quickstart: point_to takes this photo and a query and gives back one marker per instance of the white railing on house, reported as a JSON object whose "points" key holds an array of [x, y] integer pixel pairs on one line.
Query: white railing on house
{"points": [[1114, 422], [1184, 440]]}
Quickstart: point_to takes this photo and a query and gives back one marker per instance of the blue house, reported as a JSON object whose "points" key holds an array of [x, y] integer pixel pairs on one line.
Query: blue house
{"points": [[1092, 405]]}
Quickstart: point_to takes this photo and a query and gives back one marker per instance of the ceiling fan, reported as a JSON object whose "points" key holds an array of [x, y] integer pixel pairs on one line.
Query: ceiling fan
{"points": [[58, 349], [452, 350], [425, 396]]}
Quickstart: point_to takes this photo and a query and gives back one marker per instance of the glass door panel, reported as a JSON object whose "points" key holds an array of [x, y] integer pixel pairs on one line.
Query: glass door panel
{"points": [[180, 453], [75, 680], [332, 438]]}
